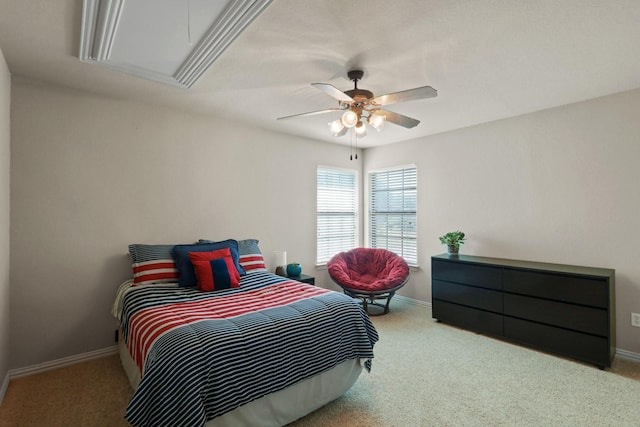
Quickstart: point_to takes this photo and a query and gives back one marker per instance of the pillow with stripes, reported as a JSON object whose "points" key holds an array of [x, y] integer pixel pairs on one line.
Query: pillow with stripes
{"points": [[251, 258], [153, 264]]}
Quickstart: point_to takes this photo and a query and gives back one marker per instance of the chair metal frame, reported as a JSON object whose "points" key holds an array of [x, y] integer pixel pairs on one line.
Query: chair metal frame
{"points": [[372, 297]]}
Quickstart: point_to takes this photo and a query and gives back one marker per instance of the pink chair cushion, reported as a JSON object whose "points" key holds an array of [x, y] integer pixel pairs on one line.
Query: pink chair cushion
{"points": [[368, 270]]}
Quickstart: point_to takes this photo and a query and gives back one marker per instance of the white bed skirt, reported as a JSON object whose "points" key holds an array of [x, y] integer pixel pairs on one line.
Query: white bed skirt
{"points": [[281, 407]]}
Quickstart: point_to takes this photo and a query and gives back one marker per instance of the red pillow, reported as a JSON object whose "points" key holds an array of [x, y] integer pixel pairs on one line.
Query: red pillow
{"points": [[215, 270]]}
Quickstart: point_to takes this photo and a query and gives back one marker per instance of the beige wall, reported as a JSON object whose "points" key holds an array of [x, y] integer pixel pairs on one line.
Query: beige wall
{"points": [[5, 102], [91, 175], [560, 186]]}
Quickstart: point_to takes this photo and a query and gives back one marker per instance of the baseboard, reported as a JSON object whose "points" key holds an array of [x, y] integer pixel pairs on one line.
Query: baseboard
{"points": [[627, 355], [412, 301], [60, 363], [4, 387]]}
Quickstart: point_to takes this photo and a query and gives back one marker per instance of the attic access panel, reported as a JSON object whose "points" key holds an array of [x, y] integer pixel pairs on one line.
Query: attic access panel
{"points": [[169, 41]]}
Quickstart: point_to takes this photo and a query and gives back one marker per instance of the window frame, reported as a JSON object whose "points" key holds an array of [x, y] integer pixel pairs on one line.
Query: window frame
{"points": [[356, 210], [370, 213]]}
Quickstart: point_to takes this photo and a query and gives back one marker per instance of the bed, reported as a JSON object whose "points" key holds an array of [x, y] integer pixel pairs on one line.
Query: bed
{"points": [[263, 353]]}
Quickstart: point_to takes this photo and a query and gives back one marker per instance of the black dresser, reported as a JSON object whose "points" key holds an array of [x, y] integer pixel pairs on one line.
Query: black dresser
{"points": [[563, 309]]}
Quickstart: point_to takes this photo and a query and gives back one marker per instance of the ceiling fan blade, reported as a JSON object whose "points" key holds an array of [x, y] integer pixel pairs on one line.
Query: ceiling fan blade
{"points": [[333, 92], [399, 119], [406, 95], [311, 113]]}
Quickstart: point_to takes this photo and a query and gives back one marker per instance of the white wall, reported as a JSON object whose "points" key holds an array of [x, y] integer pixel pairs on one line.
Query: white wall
{"points": [[559, 186], [91, 175], [5, 103]]}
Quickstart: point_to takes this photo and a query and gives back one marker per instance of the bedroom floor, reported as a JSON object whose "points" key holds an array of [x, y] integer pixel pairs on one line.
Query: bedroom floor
{"points": [[92, 393], [442, 376]]}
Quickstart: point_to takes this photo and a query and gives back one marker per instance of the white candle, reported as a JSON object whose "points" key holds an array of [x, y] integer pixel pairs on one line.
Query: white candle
{"points": [[281, 258]]}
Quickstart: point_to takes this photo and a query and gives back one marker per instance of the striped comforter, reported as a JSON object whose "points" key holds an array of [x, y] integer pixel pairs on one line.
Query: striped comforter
{"points": [[204, 354]]}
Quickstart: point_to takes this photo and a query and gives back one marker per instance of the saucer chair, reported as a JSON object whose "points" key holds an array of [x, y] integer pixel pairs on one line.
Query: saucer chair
{"points": [[369, 274]]}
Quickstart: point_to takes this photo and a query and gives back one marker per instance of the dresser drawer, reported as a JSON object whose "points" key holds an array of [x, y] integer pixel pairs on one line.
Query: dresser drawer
{"points": [[573, 289], [469, 318], [467, 274], [585, 347], [584, 319], [482, 298]]}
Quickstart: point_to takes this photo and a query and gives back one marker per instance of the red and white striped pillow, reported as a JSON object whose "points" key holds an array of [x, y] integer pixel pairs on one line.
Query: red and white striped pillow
{"points": [[153, 264], [251, 258]]}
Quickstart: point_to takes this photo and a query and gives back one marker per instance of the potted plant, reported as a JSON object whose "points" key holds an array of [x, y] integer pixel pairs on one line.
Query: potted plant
{"points": [[453, 240]]}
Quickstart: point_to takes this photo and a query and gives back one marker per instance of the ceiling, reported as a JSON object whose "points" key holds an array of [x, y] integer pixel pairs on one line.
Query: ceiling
{"points": [[488, 59]]}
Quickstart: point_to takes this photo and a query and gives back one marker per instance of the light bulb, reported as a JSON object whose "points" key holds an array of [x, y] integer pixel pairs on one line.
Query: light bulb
{"points": [[337, 128], [360, 130], [377, 120], [349, 118]]}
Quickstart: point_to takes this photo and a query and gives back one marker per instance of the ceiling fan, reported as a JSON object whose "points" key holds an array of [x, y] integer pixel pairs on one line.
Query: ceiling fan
{"points": [[359, 104]]}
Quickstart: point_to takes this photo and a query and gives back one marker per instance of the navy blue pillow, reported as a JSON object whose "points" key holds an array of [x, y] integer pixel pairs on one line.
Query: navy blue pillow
{"points": [[186, 273]]}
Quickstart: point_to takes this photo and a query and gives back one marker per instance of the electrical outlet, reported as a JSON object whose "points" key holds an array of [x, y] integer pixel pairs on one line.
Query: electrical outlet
{"points": [[635, 319]]}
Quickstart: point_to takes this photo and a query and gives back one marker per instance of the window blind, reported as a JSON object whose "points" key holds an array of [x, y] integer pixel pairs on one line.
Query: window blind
{"points": [[336, 212], [393, 212]]}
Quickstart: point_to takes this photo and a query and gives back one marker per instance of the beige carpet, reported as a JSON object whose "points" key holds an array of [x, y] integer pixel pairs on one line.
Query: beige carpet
{"points": [[92, 393], [424, 374]]}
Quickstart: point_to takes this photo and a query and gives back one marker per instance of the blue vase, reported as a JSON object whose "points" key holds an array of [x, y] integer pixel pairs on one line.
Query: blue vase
{"points": [[294, 269]]}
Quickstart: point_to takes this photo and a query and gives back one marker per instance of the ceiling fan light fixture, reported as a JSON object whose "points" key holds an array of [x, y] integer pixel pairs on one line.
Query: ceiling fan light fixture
{"points": [[337, 128], [360, 106], [377, 120], [349, 119]]}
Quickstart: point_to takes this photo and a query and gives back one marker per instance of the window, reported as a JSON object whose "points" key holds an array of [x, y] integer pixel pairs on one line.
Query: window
{"points": [[336, 212], [392, 211]]}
